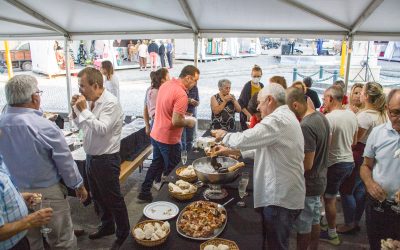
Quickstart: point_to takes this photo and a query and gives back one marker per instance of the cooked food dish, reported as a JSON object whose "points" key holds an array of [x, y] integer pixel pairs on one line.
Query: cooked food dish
{"points": [[201, 218]]}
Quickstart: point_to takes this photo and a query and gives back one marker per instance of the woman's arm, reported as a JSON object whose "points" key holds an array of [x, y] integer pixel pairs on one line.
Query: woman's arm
{"points": [[215, 107]]}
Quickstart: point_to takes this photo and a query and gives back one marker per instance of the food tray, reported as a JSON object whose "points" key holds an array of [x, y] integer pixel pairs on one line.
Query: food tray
{"points": [[217, 231]]}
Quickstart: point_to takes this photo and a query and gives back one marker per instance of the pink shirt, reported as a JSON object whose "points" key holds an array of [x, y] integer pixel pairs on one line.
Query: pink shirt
{"points": [[172, 97], [151, 99]]}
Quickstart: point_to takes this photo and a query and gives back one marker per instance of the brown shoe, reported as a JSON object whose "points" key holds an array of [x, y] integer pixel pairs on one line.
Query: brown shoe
{"points": [[79, 232]]}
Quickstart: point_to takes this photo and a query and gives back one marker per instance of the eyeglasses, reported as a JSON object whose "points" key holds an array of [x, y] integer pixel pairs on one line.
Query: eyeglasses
{"points": [[39, 92], [394, 112]]}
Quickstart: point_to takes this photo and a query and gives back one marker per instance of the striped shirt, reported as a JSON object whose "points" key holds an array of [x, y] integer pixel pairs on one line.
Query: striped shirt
{"points": [[12, 207], [277, 145]]}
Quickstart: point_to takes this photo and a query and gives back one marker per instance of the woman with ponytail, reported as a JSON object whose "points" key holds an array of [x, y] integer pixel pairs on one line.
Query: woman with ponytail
{"points": [[352, 191]]}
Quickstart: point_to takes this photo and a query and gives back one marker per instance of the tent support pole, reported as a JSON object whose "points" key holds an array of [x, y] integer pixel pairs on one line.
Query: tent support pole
{"points": [[349, 51], [196, 49], [67, 72]]}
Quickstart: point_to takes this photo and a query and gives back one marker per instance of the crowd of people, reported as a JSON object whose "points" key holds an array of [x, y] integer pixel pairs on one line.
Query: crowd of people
{"points": [[305, 154], [144, 49]]}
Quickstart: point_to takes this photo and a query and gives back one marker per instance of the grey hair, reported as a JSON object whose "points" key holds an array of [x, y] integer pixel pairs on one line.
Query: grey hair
{"points": [[20, 88], [223, 82], [336, 92], [276, 91]]}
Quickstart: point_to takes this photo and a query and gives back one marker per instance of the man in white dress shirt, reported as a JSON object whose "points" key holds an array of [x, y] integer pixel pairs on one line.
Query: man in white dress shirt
{"points": [[101, 123], [277, 145]]}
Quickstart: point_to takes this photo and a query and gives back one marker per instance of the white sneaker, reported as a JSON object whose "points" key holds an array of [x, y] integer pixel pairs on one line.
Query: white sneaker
{"points": [[157, 185]]}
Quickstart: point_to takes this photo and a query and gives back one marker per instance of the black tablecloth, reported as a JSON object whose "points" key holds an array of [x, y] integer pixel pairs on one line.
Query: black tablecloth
{"points": [[244, 225], [131, 147]]}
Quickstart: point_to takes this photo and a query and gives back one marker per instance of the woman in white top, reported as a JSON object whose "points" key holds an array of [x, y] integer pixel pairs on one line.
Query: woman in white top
{"points": [[111, 82], [352, 190], [142, 50]]}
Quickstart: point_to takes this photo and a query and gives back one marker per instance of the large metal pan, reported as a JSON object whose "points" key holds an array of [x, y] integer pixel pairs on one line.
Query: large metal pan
{"points": [[215, 178]]}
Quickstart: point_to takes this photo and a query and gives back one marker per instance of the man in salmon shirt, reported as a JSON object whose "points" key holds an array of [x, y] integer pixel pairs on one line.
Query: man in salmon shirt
{"points": [[169, 121]]}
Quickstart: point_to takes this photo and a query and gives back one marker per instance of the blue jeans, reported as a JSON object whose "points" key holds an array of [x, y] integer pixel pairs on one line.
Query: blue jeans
{"points": [[337, 173], [187, 139], [354, 204], [277, 222], [103, 176], [165, 158]]}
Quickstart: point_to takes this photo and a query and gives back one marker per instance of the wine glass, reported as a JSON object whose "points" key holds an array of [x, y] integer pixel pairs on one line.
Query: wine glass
{"points": [[195, 144], [379, 208], [396, 208], [184, 156], [242, 191], [245, 177], [44, 229]]}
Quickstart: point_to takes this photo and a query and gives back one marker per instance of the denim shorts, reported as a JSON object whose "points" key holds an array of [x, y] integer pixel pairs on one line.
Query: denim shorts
{"points": [[337, 173], [309, 216]]}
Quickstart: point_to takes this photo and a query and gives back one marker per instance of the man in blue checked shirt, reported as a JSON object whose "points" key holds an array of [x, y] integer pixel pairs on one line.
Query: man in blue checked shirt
{"points": [[38, 158], [14, 218]]}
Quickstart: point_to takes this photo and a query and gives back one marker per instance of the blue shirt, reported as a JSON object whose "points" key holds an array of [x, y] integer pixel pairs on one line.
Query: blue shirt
{"points": [[193, 94], [381, 145], [35, 151], [12, 207]]}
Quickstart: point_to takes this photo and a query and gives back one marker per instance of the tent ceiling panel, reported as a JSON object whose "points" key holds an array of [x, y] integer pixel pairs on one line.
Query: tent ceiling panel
{"points": [[386, 18], [170, 9], [13, 28], [345, 11], [264, 15], [11, 12], [75, 16]]}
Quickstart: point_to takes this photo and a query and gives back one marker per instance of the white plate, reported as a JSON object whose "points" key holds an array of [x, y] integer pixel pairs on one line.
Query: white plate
{"points": [[160, 210]]}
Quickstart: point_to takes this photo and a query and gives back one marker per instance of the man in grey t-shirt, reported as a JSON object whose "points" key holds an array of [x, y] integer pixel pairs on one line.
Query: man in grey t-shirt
{"points": [[315, 129], [343, 127]]}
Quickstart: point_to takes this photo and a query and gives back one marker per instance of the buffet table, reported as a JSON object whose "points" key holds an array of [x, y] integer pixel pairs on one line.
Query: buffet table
{"points": [[133, 141], [244, 224]]}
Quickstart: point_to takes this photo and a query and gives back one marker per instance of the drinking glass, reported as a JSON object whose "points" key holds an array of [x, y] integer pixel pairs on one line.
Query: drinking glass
{"points": [[245, 177], [184, 156], [242, 190], [396, 208], [379, 208], [195, 145], [44, 229]]}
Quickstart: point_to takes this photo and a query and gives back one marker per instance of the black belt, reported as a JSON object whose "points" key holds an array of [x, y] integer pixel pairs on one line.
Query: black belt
{"points": [[104, 156]]}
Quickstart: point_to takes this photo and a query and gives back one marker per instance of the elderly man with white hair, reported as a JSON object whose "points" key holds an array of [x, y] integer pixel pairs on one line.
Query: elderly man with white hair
{"points": [[277, 145], [38, 158]]}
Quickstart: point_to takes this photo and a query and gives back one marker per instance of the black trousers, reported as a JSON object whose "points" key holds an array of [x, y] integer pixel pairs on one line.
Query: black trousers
{"points": [[381, 225], [103, 175], [169, 57], [23, 244], [162, 59]]}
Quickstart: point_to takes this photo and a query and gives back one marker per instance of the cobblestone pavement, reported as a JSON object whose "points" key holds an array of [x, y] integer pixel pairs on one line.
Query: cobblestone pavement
{"points": [[133, 82]]}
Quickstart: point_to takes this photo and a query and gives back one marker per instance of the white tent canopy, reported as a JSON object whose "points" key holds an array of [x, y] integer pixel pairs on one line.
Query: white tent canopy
{"points": [[105, 19]]}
